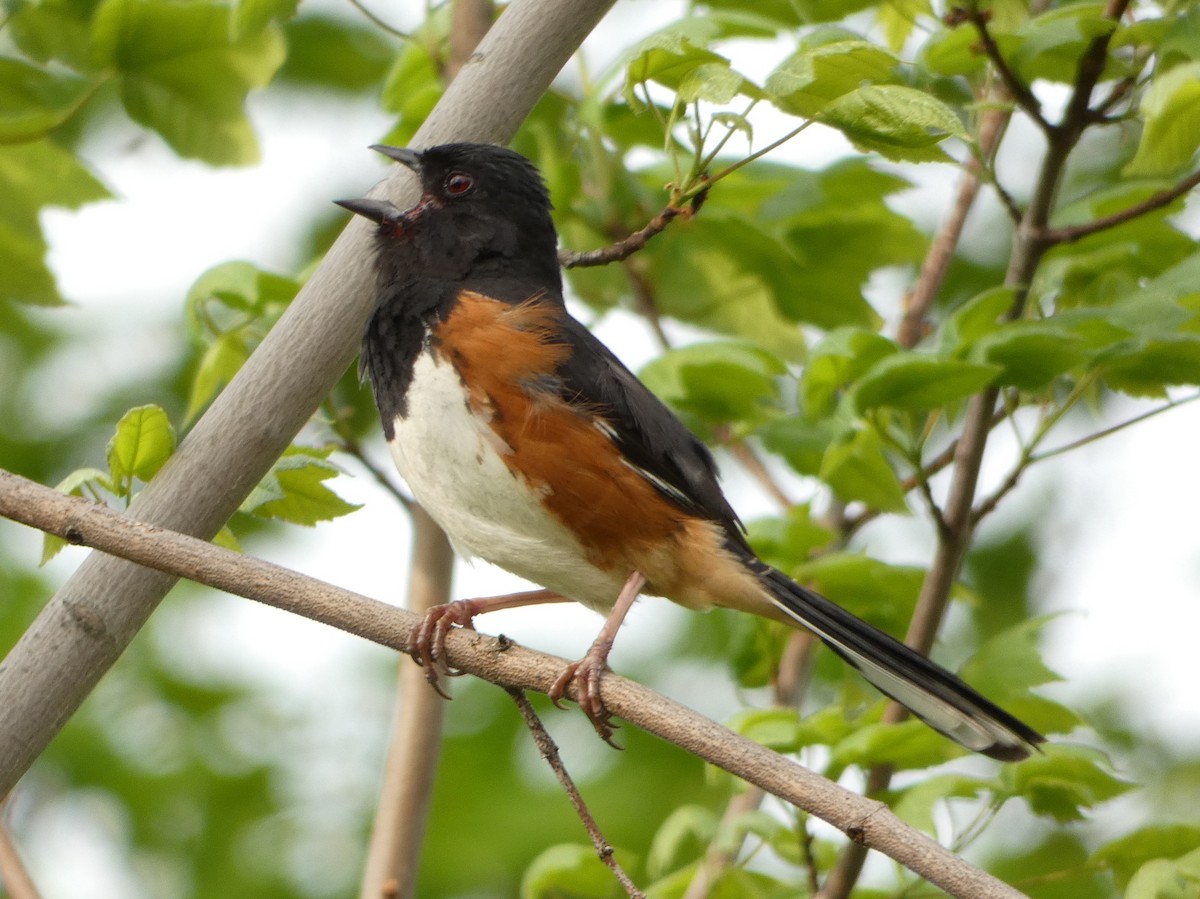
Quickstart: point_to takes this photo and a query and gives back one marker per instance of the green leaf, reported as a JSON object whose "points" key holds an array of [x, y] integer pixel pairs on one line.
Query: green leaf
{"points": [[1126, 855], [824, 728], [1162, 879], [915, 804], [716, 82], [680, 839], [1171, 113], [857, 470], [910, 745], [1145, 367], [567, 870], [979, 315], [956, 51], [1062, 781], [1049, 45], [53, 30], [670, 56], [775, 728], [919, 382], [840, 227], [901, 123], [879, 592], [1009, 663], [789, 539], [898, 19], [218, 365], [724, 272], [185, 76], [717, 382], [332, 53], [294, 489], [807, 81], [143, 441], [800, 440], [250, 16], [34, 175], [836, 362], [1031, 354], [33, 101], [410, 91]]}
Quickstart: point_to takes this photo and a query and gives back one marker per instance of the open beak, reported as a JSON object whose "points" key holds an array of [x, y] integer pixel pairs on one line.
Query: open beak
{"points": [[379, 211], [402, 155], [382, 211]]}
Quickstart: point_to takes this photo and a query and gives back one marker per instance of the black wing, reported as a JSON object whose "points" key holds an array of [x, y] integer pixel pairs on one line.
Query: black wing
{"points": [[655, 443]]}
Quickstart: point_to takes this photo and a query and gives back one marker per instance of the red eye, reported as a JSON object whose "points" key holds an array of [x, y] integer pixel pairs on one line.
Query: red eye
{"points": [[458, 183]]}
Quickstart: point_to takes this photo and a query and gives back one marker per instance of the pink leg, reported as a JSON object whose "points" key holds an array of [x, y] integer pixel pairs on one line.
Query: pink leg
{"points": [[585, 673], [427, 645]]}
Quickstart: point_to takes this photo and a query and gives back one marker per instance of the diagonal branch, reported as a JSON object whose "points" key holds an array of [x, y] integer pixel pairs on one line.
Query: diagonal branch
{"points": [[549, 751], [866, 821], [1019, 90], [1163, 198], [624, 248]]}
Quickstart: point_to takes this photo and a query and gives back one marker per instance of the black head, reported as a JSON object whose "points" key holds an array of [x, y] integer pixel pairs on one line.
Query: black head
{"points": [[484, 213]]}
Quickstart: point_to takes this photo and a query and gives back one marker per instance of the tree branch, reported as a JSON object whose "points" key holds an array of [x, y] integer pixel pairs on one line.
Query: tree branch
{"points": [[549, 751], [941, 249], [1163, 198], [401, 813], [866, 821], [624, 248], [1019, 90], [14, 877], [82, 631]]}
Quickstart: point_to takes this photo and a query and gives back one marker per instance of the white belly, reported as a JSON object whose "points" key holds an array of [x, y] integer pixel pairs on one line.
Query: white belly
{"points": [[453, 465]]}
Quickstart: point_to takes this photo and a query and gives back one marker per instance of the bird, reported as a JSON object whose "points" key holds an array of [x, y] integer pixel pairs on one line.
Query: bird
{"points": [[536, 449]]}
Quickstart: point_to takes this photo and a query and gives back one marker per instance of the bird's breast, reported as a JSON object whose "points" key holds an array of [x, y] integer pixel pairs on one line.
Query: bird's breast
{"points": [[458, 467]]}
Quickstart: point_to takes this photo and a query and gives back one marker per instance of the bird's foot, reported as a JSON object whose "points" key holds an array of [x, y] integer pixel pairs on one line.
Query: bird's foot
{"points": [[427, 644], [585, 676]]}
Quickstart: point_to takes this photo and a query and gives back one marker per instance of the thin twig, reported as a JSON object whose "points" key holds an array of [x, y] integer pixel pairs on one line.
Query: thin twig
{"points": [[1157, 201], [944, 244], [395, 32], [745, 454], [942, 460], [549, 751], [622, 249], [351, 447], [81, 522], [1019, 90], [987, 506]]}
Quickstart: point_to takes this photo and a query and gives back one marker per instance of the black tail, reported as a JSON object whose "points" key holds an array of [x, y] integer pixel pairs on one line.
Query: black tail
{"points": [[927, 690]]}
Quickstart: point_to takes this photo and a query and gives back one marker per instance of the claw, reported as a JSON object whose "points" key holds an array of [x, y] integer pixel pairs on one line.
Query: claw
{"points": [[586, 674], [427, 645]]}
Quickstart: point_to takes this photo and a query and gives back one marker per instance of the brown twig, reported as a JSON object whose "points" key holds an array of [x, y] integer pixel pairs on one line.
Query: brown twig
{"points": [[1017, 88], [351, 447], [81, 522], [1163, 198], [745, 454], [624, 248], [549, 751], [14, 876], [402, 810], [942, 248]]}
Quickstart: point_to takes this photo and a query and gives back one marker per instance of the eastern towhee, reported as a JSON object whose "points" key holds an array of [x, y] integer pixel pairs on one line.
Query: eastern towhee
{"points": [[536, 449]]}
